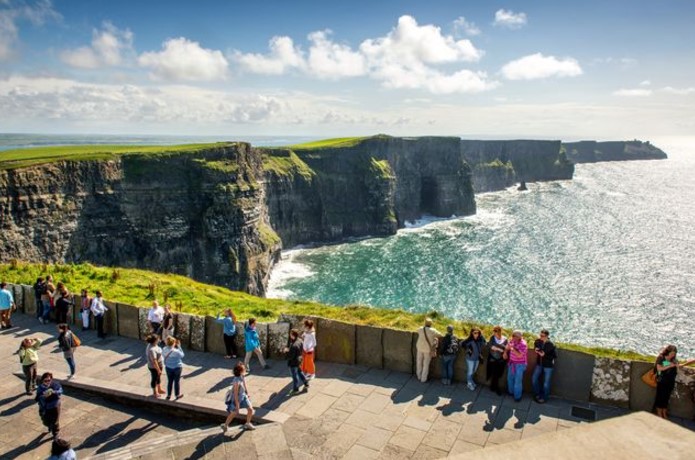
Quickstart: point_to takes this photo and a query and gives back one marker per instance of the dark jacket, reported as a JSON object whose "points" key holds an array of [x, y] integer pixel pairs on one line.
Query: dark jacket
{"points": [[294, 356], [449, 345], [474, 348], [550, 353], [52, 401], [65, 341]]}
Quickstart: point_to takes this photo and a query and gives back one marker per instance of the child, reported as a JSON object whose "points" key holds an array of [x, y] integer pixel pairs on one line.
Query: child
{"points": [[238, 398], [252, 345]]}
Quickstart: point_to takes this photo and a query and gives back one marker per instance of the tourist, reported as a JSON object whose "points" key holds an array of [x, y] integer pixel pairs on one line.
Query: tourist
{"points": [[252, 344], [167, 323], [63, 303], [85, 303], [228, 332], [449, 351], [515, 352], [67, 343], [39, 287], [545, 362], [155, 364], [47, 299], [294, 360], [173, 363], [426, 349], [155, 316], [61, 450], [495, 359], [6, 306], [48, 396], [473, 345], [237, 398], [309, 341], [98, 309], [666, 367], [29, 357]]}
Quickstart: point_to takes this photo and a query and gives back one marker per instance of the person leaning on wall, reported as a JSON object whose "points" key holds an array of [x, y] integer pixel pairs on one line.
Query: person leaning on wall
{"points": [[426, 346]]}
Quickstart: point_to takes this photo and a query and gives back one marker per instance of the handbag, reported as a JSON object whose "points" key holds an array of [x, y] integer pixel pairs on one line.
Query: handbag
{"points": [[433, 350], [649, 378]]}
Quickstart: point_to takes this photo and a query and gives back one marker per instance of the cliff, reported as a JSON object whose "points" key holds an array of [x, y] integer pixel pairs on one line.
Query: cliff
{"points": [[200, 214], [499, 164], [592, 151]]}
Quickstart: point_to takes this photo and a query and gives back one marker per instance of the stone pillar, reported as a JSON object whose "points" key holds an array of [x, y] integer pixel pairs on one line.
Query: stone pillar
{"points": [[142, 323], [29, 300], [610, 382], [278, 337], [182, 329], [197, 333], [335, 341], [369, 350], [214, 342], [398, 350], [128, 321], [18, 294]]}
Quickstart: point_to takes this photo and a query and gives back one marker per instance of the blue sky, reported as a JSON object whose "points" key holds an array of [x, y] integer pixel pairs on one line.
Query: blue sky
{"points": [[589, 69]]}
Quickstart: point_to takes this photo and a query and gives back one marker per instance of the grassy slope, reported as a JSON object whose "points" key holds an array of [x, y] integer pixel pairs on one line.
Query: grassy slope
{"points": [[26, 157], [133, 287], [335, 142]]}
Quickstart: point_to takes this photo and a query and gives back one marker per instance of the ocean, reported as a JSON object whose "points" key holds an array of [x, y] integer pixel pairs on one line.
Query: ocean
{"points": [[606, 259]]}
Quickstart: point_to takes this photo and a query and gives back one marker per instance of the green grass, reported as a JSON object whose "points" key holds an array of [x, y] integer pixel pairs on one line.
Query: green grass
{"points": [[336, 142], [18, 158], [140, 287], [286, 163], [381, 168]]}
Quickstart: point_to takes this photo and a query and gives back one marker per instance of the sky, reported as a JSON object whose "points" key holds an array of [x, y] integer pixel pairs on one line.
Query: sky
{"points": [[618, 69]]}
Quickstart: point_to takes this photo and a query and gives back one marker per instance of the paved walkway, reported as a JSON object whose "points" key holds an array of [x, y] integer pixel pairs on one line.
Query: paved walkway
{"points": [[350, 412]]}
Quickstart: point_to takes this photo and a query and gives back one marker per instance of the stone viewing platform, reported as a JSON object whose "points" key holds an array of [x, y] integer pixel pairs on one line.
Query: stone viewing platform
{"points": [[350, 410]]}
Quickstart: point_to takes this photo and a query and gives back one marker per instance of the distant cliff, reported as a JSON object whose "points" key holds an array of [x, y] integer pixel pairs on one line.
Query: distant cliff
{"points": [[221, 213], [592, 151]]}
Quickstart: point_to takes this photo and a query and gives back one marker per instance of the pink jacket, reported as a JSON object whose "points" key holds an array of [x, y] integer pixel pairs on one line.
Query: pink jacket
{"points": [[521, 347]]}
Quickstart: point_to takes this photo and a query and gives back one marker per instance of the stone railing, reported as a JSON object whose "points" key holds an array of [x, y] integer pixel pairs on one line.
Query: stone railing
{"points": [[578, 376]]}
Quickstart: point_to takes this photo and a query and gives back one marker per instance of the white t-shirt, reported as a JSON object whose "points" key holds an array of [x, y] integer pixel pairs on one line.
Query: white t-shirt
{"points": [[156, 315]]}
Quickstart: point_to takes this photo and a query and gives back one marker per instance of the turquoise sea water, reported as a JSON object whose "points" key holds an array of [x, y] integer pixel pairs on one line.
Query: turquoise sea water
{"points": [[606, 259]]}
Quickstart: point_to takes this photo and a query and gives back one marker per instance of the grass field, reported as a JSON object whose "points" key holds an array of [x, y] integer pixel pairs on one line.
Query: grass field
{"points": [[328, 143], [26, 157], [140, 287]]}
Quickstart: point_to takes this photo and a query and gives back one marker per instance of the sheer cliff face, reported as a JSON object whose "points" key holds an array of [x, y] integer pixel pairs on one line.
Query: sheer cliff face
{"points": [[201, 215], [499, 164], [592, 151]]}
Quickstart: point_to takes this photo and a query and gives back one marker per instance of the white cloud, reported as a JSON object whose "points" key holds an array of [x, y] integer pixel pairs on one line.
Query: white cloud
{"points": [[284, 55], [110, 47], [463, 26], [184, 60], [536, 66], [509, 19], [633, 92], [679, 91], [13, 12], [645, 83], [332, 60]]}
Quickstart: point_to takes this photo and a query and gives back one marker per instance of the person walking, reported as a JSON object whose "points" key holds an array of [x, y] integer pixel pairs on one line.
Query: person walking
{"points": [[167, 323], [666, 367], [98, 309], [495, 359], [308, 353], [449, 351], [29, 357], [64, 302], [515, 352], [39, 288], [252, 344], [237, 398], [67, 343], [155, 364], [85, 304], [426, 346], [6, 306], [48, 396], [546, 354], [294, 360], [173, 363], [228, 332], [155, 316], [473, 345]]}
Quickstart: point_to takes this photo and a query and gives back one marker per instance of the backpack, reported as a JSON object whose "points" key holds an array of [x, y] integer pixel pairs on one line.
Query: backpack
{"points": [[76, 342], [40, 289]]}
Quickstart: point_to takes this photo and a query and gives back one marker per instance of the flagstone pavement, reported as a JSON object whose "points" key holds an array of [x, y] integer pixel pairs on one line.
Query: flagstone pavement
{"points": [[349, 411]]}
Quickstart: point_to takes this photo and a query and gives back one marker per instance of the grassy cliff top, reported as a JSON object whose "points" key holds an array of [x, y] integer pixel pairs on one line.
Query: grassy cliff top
{"points": [[10, 159], [140, 287], [337, 142]]}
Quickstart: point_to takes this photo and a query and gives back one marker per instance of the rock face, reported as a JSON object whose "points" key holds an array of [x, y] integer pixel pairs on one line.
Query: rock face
{"points": [[592, 151]]}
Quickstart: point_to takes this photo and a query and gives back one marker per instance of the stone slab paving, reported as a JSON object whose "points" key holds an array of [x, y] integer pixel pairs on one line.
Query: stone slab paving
{"points": [[349, 412]]}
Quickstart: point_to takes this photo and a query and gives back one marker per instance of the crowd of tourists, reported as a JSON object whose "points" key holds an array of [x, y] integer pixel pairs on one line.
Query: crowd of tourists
{"points": [[165, 355]]}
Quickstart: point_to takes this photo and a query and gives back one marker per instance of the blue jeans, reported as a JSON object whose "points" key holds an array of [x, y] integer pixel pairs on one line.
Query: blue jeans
{"points": [[297, 376], [515, 380], [542, 392], [71, 364], [471, 367], [448, 367], [46, 312], [174, 379]]}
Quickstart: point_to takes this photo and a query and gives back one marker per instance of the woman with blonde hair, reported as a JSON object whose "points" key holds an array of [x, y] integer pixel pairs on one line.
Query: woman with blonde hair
{"points": [[309, 346], [173, 363]]}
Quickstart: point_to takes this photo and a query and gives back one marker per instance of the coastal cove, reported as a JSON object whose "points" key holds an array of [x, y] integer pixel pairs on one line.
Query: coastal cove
{"points": [[602, 260]]}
